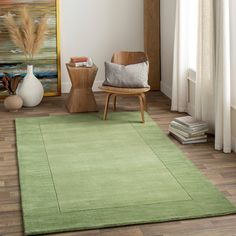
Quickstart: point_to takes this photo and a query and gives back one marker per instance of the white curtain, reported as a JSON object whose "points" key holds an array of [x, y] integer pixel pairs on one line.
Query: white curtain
{"points": [[223, 78], [213, 98], [180, 65], [204, 93]]}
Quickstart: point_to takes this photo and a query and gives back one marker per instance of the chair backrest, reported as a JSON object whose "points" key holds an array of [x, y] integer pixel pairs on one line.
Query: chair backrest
{"points": [[128, 58]]}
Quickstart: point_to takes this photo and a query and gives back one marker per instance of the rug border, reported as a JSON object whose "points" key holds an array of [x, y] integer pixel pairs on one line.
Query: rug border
{"points": [[34, 232]]}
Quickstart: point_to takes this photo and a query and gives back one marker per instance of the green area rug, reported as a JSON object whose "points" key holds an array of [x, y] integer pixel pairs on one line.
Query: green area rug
{"points": [[79, 172]]}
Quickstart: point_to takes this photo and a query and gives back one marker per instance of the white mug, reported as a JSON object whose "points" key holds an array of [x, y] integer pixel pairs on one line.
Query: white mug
{"points": [[89, 62]]}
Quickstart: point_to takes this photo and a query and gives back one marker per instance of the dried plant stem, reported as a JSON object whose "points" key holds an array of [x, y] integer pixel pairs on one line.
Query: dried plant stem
{"points": [[14, 31], [28, 31], [26, 36], [40, 34]]}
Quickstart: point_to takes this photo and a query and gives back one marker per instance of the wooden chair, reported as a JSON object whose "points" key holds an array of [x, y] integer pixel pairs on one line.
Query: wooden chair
{"points": [[126, 58]]}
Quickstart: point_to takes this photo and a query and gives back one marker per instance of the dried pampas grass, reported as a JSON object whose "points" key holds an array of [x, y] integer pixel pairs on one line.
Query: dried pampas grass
{"points": [[27, 36], [40, 34], [14, 31], [28, 32]]}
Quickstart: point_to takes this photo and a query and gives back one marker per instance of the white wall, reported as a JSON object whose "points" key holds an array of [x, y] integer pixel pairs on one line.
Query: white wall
{"points": [[97, 28], [167, 44], [233, 123]]}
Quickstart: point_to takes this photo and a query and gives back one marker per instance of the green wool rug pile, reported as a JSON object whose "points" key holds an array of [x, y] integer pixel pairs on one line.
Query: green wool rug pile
{"points": [[79, 172]]}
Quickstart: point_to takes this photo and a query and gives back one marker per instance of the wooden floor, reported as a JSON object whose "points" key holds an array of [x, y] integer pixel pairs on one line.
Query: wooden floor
{"points": [[219, 168]]}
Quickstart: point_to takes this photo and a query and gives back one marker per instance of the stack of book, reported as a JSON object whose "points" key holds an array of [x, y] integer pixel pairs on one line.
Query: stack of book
{"points": [[188, 130], [81, 62]]}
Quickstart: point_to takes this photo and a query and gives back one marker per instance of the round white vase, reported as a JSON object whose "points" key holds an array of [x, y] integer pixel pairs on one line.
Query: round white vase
{"points": [[31, 90]]}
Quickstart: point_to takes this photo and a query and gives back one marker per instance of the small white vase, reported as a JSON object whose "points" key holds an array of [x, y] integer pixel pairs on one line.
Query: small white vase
{"points": [[31, 89]]}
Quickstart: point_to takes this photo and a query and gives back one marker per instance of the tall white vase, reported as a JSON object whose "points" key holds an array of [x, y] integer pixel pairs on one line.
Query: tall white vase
{"points": [[31, 89]]}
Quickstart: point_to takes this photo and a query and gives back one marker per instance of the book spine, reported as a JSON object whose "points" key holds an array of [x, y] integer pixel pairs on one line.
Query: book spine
{"points": [[78, 59], [184, 142], [188, 130], [191, 126], [78, 64], [185, 134], [187, 139]]}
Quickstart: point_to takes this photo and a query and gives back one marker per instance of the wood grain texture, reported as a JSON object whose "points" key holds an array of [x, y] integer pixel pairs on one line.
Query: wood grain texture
{"points": [[81, 97], [152, 41], [124, 91], [219, 168], [128, 58]]}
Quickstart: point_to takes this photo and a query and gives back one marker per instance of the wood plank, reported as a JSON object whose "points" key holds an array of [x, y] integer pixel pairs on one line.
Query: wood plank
{"points": [[152, 41], [219, 168]]}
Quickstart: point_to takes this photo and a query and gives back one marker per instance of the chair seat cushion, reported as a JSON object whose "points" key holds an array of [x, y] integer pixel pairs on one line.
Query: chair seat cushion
{"points": [[130, 76], [124, 91]]}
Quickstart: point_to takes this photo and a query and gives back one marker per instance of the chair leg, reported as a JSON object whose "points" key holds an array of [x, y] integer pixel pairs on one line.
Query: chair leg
{"points": [[107, 105], [141, 107], [145, 102], [114, 103]]}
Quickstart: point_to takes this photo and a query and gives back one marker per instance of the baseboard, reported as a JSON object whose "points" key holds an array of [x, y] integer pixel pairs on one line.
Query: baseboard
{"points": [[66, 86], [167, 90], [233, 125], [96, 86], [234, 144]]}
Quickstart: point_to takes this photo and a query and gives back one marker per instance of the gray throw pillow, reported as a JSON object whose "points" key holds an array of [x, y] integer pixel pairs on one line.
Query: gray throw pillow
{"points": [[130, 76]]}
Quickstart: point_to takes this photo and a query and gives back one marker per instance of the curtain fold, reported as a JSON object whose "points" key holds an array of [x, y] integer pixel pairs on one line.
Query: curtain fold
{"points": [[213, 78], [180, 64], [223, 78], [204, 93]]}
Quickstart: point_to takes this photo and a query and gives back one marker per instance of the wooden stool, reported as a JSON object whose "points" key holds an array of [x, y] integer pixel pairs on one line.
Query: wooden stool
{"points": [[81, 97]]}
